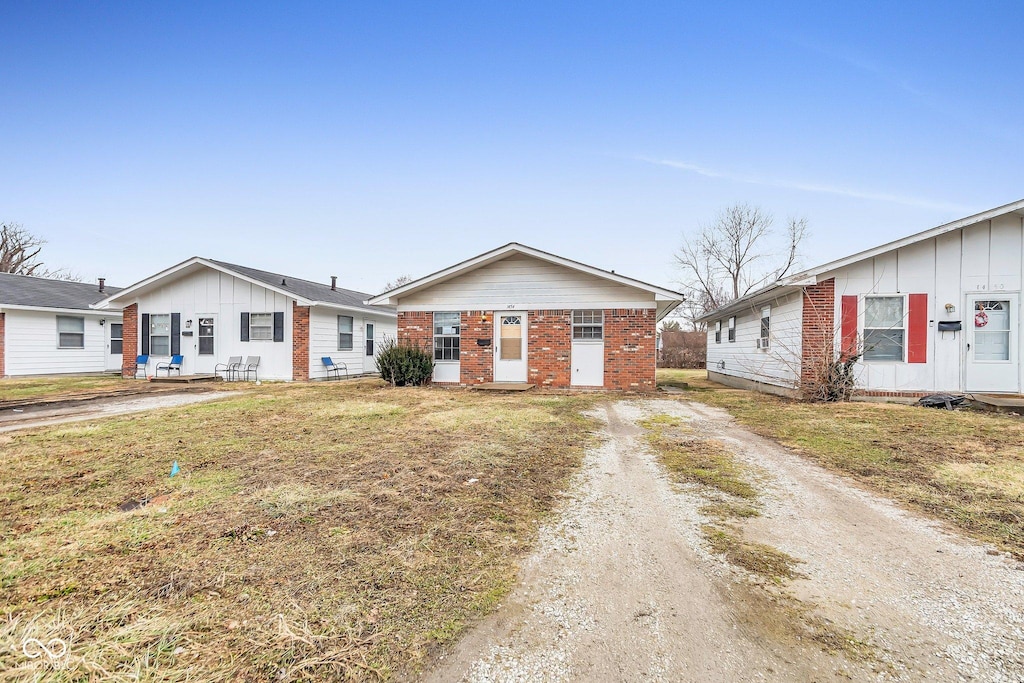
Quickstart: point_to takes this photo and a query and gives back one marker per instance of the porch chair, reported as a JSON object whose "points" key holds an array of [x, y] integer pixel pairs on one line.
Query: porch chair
{"points": [[230, 368], [250, 366], [140, 364], [175, 365], [334, 367]]}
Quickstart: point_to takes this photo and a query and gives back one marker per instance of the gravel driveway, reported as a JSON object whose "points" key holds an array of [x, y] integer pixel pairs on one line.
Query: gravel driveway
{"points": [[622, 586]]}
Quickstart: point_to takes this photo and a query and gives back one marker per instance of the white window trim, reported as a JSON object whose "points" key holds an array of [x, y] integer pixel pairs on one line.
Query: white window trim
{"points": [[718, 331], [732, 330], [590, 325], [79, 318], [254, 338], [351, 333], [863, 309], [152, 321], [763, 338], [435, 336]]}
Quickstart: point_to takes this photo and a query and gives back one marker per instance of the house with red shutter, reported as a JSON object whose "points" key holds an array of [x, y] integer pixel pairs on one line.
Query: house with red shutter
{"points": [[521, 316], [938, 311]]}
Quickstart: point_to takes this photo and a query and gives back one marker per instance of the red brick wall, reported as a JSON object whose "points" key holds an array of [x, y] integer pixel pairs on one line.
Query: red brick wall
{"points": [[819, 329], [549, 348], [300, 342], [630, 348], [130, 345], [416, 328], [476, 363], [2, 322]]}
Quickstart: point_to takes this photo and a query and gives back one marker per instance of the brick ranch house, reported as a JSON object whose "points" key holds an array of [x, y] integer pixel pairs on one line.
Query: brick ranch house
{"points": [[207, 311], [938, 311], [521, 315]]}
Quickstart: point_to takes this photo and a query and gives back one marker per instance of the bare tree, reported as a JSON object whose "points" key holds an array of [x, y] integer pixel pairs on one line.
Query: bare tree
{"points": [[19, 250], [733, 256], [19, 254], [397, 282]]}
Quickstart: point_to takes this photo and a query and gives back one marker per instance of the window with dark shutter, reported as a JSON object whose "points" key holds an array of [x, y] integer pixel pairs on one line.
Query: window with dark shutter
{"points": [[243, 327], [279, 326]]}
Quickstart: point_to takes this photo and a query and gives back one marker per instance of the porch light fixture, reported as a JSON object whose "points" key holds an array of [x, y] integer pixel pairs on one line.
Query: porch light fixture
{"points": [[483, 318], [950, 308], [103, 321]]}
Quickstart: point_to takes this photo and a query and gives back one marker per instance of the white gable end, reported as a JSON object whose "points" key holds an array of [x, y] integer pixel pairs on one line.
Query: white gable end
{"points": [[524, 282]]}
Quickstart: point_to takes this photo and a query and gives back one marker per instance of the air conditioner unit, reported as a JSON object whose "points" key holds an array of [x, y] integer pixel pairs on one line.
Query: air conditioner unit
{"points": [[762, 343]]}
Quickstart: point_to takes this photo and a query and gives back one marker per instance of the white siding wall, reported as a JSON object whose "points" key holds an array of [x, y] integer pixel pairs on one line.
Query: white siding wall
{"points": [[524, 283], [30, 345], [227, 297], [779, 364], [323, 340], [986, 257]]}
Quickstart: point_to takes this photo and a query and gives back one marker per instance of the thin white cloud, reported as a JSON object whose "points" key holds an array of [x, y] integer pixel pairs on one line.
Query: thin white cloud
{"points": [[811, 187]]}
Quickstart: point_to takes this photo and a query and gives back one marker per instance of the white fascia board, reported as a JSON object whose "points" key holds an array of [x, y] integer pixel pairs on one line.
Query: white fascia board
{"points": [[71, 311], [354, 309], [530, 306]]}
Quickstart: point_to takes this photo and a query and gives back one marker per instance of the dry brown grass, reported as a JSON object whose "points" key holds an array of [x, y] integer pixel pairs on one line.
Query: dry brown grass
{"points": [[339, 530], [21, 390], [963, 467]]}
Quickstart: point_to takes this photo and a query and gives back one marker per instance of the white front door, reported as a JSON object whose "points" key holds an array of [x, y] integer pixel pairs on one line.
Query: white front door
{"points": [[991, 328], [115, 342], [371, 342], [205, 345], [510, 347]]}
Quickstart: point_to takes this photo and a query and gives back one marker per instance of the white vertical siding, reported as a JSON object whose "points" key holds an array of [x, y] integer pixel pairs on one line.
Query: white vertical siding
{"points": [[985, 257], [30, 343], [779, 364], [227, 297]]}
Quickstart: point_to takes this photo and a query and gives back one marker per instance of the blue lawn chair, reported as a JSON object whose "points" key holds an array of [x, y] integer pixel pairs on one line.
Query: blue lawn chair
{"points": [[334, 368], [140, 364], [175, 365]]}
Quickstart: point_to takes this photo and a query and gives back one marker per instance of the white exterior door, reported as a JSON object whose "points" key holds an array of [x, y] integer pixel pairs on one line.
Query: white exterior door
{"points": [[371, 342], [205, 344], [587, 348], [992, 339], [510, 347], [115, 342]]}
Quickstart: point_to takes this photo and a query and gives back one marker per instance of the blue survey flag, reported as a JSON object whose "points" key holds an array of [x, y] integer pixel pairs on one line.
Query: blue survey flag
{"points": [[174, 468]]}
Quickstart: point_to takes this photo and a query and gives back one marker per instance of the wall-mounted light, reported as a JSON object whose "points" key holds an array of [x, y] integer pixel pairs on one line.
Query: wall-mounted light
{"points": [[483, 318], [188, 324], [103, 321], [950, 308]]}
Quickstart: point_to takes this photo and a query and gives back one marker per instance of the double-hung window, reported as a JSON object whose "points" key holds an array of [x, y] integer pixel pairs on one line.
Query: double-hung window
{"points": [[344, 333], [447, 326], [766, 326], [732, 329], [261, 326], [884, 328], [70, 332], [588, 324], [718, 331], [116, 338], [160, 334]]}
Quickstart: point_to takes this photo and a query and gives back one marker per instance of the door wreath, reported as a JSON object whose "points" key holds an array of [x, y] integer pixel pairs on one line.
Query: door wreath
{"points": [[980, 319]]}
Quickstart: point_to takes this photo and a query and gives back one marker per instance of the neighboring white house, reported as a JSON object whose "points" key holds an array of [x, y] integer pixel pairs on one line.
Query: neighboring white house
{"points": [[208, 311], [936, 311], [48, 327], [521, 315]]}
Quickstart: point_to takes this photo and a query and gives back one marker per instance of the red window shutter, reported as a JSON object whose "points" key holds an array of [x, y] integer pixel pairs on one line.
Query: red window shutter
{"points": [[849, 326], [917, 328]]}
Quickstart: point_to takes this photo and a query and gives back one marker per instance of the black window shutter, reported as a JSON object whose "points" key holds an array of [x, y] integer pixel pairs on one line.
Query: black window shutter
{"points": [[175, 334], [245, 327], [279, 326], [145, 334]]}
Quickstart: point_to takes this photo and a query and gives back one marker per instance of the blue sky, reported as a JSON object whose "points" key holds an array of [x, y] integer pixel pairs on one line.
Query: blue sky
{"points": [[380, 139]]}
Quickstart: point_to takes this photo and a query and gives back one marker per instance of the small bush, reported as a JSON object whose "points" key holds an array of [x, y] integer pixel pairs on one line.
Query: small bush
{"points": [[404, 364]]}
